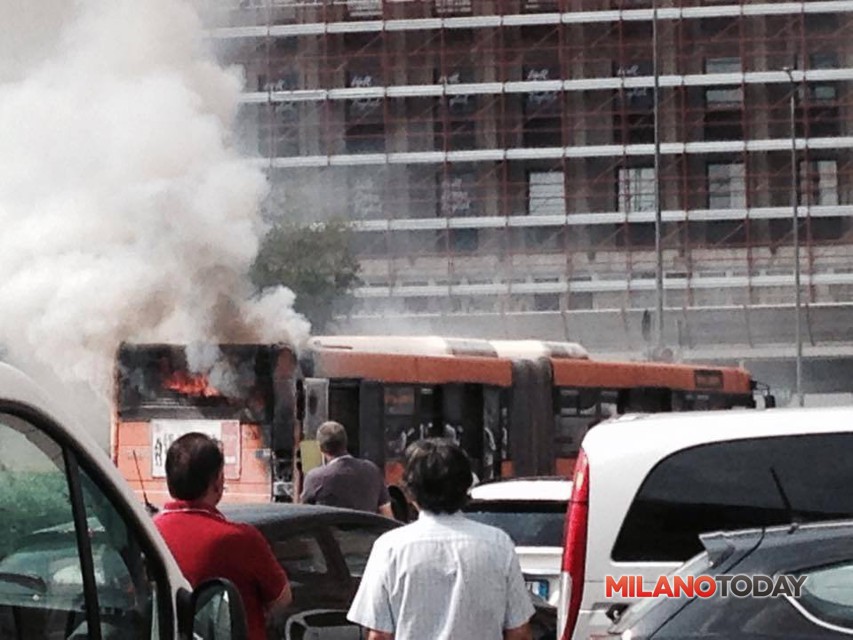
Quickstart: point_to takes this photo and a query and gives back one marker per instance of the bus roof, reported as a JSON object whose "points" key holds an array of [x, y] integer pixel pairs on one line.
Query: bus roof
{"points": [[410, 345], [438, 346], [539, 348], [617, 375]]}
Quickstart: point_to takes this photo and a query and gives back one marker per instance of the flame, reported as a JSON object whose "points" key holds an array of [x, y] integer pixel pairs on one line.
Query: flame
{"points": [[191, 385]]}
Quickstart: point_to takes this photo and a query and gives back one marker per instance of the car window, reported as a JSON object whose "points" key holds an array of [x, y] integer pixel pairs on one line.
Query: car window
{"points": [[828, 594], [731, 485], [532, 523], [36, 599], [125, 590], [355, 542], [42, 591], [301, 554]]}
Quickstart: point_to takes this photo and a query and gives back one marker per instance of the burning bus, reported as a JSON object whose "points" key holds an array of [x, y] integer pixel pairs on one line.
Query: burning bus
{"points": [[517, 407], [244, 395]]}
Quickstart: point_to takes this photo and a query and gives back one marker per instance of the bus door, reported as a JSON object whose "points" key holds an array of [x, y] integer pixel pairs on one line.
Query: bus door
{"points": [[344, 408], [463, 411], [494, 432], [531, 419]]}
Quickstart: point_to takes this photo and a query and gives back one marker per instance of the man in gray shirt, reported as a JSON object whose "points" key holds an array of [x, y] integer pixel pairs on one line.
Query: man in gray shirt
{"points": [[443, 577], [344, 481]]}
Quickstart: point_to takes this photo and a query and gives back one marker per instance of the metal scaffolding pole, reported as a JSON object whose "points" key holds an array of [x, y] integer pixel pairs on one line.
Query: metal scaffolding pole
{"points": [[658, 222], [795, 214]]}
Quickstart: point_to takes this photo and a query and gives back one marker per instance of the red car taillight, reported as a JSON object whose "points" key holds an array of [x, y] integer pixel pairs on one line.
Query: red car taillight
{"points": [[574, 550]]}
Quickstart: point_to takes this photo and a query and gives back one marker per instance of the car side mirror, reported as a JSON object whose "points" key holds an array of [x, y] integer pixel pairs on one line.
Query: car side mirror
{"points": [[218, 612]]}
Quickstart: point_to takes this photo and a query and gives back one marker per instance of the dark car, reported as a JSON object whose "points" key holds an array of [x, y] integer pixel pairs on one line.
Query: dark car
{"points": [[324, 551], [822, 553]]}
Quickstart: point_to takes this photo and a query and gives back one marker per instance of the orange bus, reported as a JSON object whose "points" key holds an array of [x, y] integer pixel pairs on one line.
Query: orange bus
{"points": [[517, 407]]}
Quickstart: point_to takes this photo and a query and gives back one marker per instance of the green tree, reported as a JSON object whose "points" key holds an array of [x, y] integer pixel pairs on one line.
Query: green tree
{"points": [[316, 262]]}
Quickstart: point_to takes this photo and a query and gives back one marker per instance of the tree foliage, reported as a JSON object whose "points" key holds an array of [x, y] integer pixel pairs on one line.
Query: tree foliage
{"points": [[316, 262]]}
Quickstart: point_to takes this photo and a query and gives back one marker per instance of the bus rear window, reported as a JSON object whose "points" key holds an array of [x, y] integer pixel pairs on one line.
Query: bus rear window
{"points": [[222, 381]]}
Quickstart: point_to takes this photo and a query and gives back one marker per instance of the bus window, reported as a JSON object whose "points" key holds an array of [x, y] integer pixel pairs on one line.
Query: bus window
{"points": [[493, 433], [399, 417], [648, 400]]}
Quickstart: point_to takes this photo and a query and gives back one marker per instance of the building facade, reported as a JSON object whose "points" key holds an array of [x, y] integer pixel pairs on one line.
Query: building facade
{"points": [[500, 162]]}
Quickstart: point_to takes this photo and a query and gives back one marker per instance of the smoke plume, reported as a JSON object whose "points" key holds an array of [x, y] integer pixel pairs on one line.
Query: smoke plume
{"points": [[126, 212]]}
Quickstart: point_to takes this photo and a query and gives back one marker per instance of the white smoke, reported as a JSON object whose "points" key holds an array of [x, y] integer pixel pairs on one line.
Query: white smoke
{"points": [[125, 212]]}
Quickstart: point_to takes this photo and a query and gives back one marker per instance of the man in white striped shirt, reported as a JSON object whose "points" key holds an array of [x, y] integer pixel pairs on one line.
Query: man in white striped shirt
{"points": [[443, 577]]}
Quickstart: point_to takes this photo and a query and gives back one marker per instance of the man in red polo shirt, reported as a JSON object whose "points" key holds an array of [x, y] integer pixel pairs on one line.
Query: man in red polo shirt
{"points": [[205, 544]]}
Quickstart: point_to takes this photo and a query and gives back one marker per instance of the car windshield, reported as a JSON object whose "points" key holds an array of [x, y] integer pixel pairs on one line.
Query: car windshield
{"points": [[530, 523]]}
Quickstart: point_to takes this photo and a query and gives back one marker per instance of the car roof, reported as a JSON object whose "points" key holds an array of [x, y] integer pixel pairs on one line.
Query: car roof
{"points": [[274, 513], [664, 433], [527, 489]]}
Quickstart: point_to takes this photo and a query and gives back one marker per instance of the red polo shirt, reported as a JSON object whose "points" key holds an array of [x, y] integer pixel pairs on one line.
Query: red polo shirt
{"points": [[206, 546]]}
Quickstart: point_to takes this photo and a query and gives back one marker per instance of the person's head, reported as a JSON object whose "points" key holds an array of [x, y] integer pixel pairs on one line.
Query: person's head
{"points": [[437, 475], [195, 468], [332, 439]]}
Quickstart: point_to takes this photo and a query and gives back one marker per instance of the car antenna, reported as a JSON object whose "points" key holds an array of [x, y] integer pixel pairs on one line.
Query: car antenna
{"points": [[150, 507], [794, 524]]}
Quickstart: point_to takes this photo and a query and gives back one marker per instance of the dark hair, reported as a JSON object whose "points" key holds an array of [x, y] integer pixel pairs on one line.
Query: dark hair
{"points": [[192, 462], [437, 475], [332, 438]]}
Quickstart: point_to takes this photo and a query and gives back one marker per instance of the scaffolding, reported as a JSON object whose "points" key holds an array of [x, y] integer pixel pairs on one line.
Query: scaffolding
{"points": [[496, 156]]}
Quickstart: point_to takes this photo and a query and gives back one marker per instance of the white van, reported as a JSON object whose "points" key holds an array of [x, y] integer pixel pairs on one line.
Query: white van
{"points": [[81, 556], [646, 486]]}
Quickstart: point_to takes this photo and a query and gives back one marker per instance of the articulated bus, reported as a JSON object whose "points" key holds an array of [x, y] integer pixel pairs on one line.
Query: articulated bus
{"points": [[517, 407]]}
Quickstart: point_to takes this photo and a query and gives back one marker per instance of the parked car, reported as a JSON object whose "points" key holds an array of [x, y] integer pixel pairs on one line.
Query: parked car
{"points": [[78, 552], [532, 511], [324, 551], [645, 487], [822, 553]]}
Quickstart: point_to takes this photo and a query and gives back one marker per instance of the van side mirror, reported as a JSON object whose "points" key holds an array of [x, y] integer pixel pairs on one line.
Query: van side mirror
{"points": [[218, 612], [769, 401]]}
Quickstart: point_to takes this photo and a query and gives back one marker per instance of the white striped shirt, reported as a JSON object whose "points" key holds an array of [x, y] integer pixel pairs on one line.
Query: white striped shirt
{"points": [[442, 577]]}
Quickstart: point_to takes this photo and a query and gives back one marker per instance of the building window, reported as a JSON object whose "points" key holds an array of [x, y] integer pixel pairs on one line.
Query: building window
{"points": [[452, 7], [727, 96], [726, 186], [364, 8], [365, 138], [365, 194], [634, 128], [546, 193], [457, 194], [823, 91], [819, 182], [636, 189], [455, 135]]}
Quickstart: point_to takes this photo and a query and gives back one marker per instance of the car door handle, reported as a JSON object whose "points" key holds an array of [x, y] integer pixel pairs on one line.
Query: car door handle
{"points": [[615, 611]]}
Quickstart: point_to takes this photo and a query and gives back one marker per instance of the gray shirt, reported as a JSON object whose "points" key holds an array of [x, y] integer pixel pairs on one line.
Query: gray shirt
{"points": [[346, 482], [442, 577]]}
